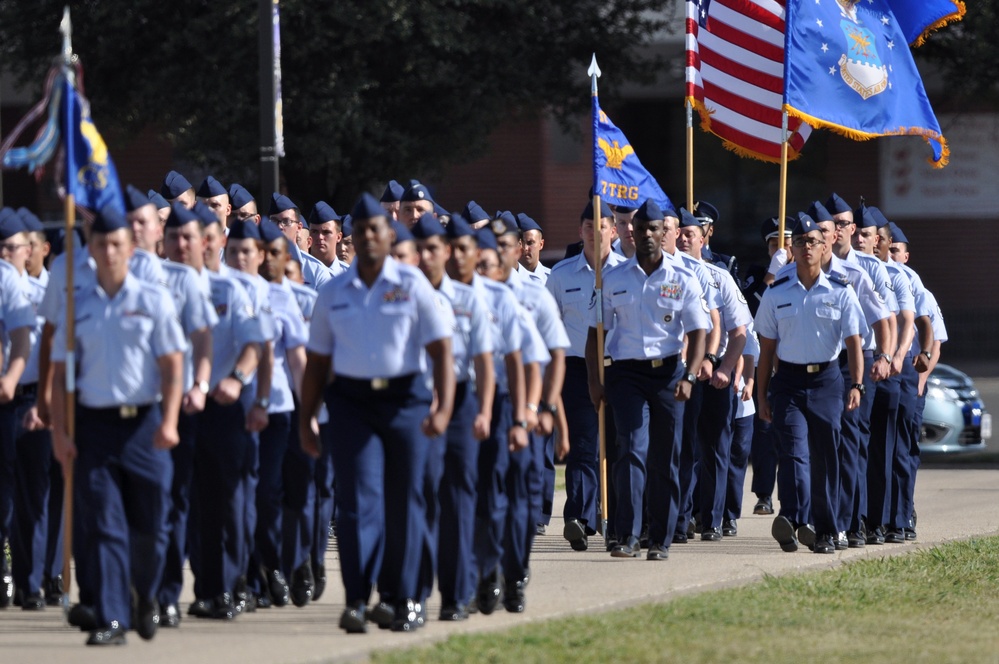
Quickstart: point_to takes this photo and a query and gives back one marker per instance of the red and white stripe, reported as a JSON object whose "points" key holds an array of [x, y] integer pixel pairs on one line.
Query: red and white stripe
{"points": [[735, 69]]}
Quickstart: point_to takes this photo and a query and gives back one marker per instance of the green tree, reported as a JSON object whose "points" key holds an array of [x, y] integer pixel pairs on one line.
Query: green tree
{"points": [[371, 89]]}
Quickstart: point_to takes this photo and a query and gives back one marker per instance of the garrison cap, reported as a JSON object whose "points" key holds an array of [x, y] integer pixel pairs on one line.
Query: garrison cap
{"points": [[818, 212], [896, 233], [108, 220], [804, 224], [347, 225], [837, 205], [204, 214], [649, 211], [473, 212], [687, 220], [157, 199], [5, 212], [705, 212], [174, 184], [525, 223], [417, 192], [181, 216], [11, 224], [367, 207], [269, 231], [879, 218], [31, 222], [624, 209], [402, 234], [863, 217], [504, 223], [211, 187], [134, 199], [486, 238], [280, 203], [459, 227], [393, 192], [440, 211], [427, 226], [605, 210], [239, 196], [244, 230], [321, 213], [771, 227]]}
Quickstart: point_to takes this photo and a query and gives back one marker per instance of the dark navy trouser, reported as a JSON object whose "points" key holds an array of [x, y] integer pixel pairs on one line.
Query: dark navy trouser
{"points": [[325, 504], [492, 502], [742, 440], [906, 456], [690, 456], [714, 433], [853, 450], [180, 509], [582, 464], [881, 452], [298, 506]]}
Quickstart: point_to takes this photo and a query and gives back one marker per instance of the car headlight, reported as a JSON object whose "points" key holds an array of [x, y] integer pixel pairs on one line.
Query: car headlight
{"points": [[942, 393]]}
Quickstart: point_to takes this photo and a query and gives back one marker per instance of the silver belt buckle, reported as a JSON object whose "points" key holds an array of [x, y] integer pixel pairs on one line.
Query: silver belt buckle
{"points": [[128, 412], [656, 364], [378, 384], [608, 361], [812, 368]]}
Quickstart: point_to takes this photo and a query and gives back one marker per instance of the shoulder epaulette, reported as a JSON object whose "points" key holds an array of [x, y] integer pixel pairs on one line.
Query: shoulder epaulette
{"points": [[780, 281]]}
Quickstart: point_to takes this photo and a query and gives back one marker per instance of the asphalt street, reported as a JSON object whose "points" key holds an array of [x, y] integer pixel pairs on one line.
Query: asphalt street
{"points": [[952, 504]]}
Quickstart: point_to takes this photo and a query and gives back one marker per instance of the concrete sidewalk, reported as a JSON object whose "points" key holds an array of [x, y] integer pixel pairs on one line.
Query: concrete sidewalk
{"points": [[952, 504]]}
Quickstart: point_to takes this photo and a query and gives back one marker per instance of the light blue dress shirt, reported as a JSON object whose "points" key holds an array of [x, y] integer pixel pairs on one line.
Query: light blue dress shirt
{"points": [[505, 323], [572, 284]]}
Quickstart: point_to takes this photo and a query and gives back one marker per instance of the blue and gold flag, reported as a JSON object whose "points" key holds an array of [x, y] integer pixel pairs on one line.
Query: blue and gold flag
{"points": [[90, 174], [619, 177], [918, 18], [847, 67]]}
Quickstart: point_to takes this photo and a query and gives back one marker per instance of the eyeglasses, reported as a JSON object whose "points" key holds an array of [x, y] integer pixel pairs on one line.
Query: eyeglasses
{"points": [[487, 266], [8, 246], [843, 223], [284, 223], [806, 242]]}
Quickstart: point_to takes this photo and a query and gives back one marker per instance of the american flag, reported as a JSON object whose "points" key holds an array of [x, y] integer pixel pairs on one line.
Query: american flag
{"points": [[735, 75]]}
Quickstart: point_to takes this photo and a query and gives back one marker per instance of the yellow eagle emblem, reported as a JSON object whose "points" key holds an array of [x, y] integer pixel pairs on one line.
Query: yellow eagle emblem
{"points": [[615, 153]]}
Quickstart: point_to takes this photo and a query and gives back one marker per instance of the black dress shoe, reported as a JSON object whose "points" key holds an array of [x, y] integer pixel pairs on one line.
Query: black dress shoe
{"points": [[352, 619], [824, 544], [643, 538], [381, 614], [406, 617], [855, 540], [806, 535], [910, 534], [53, 590], [895, 536], [170, 616], [302, 585], [261, 601], [711, 535], [657, 552], [679, 538], [452, 613], [764, 506], [147, 618], [841, 543], [224, 607], [575, 532], [782, 530], [33, 603], [730, 528], [487, 595], [876, 536], [630, 549], [280, 594], [513, 597], [202, 608], [319, 579], [611, 542], [82, 616], [6, 581], [113, 636]]}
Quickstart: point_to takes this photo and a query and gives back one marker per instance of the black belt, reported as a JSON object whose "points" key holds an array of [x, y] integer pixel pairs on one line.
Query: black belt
{"points": [[815, 368], [581, 362], [26, 390], [644, 364], [375, 386], [117, 412]]}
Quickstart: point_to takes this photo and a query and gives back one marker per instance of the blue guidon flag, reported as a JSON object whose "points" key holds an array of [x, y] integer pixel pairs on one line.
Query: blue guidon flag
{"points": [[90, 174], [848, 68], [619, 177]]}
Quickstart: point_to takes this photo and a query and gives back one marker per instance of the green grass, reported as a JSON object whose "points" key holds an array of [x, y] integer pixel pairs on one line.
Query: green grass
{"points": [[935, 605]]}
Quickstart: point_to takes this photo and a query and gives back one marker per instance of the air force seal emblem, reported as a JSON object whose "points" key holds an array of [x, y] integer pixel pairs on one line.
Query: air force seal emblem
{"points": [[860, 67]]}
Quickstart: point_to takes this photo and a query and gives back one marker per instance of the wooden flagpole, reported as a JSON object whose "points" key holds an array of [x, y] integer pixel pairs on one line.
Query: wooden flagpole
{"points": [[690, 156], [782, 205]]}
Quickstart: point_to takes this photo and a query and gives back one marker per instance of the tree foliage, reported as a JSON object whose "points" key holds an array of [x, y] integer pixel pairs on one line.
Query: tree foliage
{"points": [[371, 90], [968, 53]]}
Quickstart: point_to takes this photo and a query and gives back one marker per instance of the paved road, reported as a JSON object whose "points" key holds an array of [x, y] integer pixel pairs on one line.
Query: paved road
{"points": [[952, 504]]}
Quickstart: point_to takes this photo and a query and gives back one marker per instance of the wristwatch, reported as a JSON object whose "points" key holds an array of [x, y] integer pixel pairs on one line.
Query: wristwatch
{"points": [[263, 402], [884, 356], [243, 379], [690, 378], [928, 354], [548, 408], [860, 388], [202, 386], [531, 407], [713, 359], [520, 423]]}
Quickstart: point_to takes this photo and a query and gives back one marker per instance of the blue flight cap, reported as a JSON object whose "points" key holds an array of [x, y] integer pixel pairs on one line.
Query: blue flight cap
{"points": [[239, 196], [321, 213], [706, 213], [402, 234], [417, 192], [896, 233], [157, 199], [473, 212], [440, 211], [108, 220], [269, 231], [367, 207], [624, 209], [393, 192], [605, 210], [427, 226], [347, 225], [204, 214], [863, 218], [486, 238], [244, 230], [879, 218], [5, 212], [771, 227], [211, 187], [649, 211], [174, 184], [280, 203], [525, 223], [459, 227], [32, 223], [410, 183], [181, 216], [804, 224], [504, 223], [837, 205], [134, 199], [11, 225], [687, 220], [818, 212]]}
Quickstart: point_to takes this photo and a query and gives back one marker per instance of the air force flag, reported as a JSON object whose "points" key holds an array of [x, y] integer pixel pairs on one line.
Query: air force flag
{"points": [[619, 177], [90, 174], [848, 68]]}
